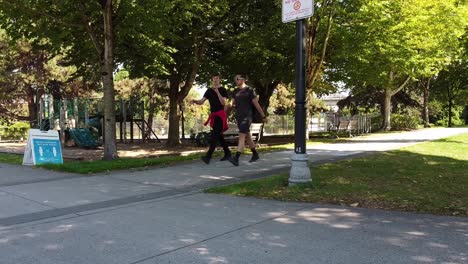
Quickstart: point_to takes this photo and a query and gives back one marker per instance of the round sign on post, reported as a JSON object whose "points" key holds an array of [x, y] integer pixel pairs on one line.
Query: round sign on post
{"points": [[297, 9], [297, 5]]}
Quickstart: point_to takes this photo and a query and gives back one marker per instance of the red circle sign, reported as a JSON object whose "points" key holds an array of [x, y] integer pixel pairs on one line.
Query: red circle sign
{"points": [[297, 5]]}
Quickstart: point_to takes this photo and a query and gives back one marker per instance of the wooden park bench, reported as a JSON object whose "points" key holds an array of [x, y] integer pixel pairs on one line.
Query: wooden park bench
{"points": [[353, 128], [347, 126], [231, 135]]}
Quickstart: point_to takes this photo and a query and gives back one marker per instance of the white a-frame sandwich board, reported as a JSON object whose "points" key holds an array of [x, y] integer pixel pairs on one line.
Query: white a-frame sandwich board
{"points": [[43, 147]]}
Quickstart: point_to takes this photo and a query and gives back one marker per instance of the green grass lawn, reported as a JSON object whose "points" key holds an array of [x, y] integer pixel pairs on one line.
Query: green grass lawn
{"points": [[11, 158], [96, 166], [430, 177], [86, 167]]}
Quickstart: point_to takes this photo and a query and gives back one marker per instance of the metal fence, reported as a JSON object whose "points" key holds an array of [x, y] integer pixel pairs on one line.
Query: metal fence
{"points": [[326, 122], [277, 125], [284, 124]]}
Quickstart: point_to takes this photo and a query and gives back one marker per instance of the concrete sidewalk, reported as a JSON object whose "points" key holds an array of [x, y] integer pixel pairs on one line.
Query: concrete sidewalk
{"points": [[159, 216]]}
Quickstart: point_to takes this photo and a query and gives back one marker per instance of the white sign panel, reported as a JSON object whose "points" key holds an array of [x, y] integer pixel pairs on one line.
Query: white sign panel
{"points": [[297, 9], [43, 147]]}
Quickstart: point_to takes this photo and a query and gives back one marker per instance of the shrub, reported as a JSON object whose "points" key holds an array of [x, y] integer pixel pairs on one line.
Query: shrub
{"points": [[15, 131], [376, 122], [457, 117], [405, 121]]}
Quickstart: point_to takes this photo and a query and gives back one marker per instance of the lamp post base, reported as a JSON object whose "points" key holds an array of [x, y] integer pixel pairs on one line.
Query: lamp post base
{"points": [[300, 171]]}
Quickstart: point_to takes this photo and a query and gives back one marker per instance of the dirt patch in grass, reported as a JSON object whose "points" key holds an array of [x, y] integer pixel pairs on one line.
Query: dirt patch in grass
{"points": [[148, 149]]}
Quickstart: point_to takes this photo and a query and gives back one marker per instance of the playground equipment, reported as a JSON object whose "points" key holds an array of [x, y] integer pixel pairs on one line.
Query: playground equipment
{"points": [[82, 120], [84, 138], [132, 112], [71, 118]]}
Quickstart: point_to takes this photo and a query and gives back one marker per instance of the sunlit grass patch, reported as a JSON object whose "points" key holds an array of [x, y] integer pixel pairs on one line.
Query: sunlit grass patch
{"points": [[430, 177]]}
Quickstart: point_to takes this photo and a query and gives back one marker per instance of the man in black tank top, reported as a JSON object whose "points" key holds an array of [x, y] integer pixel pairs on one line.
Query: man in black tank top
{"points": [[217, 119], [244, 100]]}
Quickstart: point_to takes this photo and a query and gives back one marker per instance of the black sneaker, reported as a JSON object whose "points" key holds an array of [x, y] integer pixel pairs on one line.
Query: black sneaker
{"points": [[226, 157], [234, 161], [205, 159], [254, 158]]}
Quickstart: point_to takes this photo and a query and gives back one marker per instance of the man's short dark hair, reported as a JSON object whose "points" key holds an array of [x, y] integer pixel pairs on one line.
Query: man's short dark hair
{"points": [[216, 74], [243, 75]]}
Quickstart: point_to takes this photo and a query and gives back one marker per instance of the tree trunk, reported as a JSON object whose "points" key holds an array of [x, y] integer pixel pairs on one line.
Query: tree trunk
{"points": [[151, 107], [389, 92], [466, 114], [426, 106], [425, 85], [177, 94], [32, 112], [265, 92], [32, 97], [173, 138], [450, 112], [153, 89], [387, 110], [110, 149], [314, 57]]}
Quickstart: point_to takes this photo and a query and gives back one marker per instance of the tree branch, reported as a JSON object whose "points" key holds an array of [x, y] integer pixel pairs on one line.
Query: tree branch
{"points": [[225, 16], [198, 55], [90, 31], [324, 48], [401, 86]]}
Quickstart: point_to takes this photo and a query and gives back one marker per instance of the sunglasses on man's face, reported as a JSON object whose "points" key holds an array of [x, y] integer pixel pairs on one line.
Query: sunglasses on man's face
{"points": [[238, 78]]}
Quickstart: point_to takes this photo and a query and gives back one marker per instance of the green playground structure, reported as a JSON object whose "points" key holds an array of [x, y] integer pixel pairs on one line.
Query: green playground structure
{"points": [[82, 120]]}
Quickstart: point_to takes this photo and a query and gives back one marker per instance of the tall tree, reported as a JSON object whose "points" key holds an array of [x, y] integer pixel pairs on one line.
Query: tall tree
{"points": [[451, 86], [444, 23], [23, 77], [318, 31], [189, 33], [87, 32], [151, 91], [27, 72], [383, 43], [256, 42]]}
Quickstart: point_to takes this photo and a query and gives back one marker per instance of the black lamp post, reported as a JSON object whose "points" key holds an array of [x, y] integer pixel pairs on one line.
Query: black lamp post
{"points": [[300, 172], [300, 116]]}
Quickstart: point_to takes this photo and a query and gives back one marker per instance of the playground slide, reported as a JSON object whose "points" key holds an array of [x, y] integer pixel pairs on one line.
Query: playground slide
{"points": [[83, 138]]}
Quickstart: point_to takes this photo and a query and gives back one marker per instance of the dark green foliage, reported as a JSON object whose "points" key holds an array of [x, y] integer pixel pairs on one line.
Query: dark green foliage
{"points": [[14, 131], [456, 117], [405, 121], [451, 90]]}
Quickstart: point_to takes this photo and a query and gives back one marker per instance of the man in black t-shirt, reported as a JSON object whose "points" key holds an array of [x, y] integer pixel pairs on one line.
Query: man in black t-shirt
{"points": [[217, 119], [244, 100]]}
